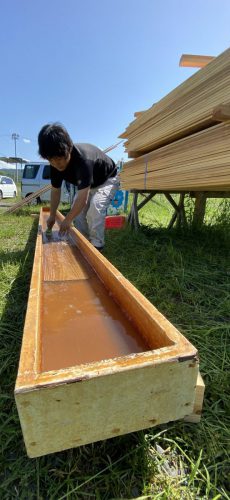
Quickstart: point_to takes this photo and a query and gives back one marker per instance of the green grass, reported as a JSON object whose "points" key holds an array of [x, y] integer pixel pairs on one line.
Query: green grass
{"points": [[185, 274]]}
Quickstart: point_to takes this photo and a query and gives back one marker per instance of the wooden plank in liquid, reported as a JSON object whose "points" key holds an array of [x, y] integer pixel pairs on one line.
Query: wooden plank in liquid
{"points": [[62, 262]]}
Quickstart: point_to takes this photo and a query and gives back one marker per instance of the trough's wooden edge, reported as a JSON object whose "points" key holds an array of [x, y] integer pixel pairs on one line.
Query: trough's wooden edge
{"points": [[28, 375], [28, 382], [30, 340]]}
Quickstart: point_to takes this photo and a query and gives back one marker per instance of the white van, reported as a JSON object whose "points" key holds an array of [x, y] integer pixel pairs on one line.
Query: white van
{"points": [[37, 175], [8, 188]]}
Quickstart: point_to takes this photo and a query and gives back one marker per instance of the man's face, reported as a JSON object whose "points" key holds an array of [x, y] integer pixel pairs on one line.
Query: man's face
{"points": [[59, 162]]}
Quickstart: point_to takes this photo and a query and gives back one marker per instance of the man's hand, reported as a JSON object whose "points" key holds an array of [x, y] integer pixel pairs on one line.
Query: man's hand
{"points": [[64, 227], [50, 222], [76, 209]]}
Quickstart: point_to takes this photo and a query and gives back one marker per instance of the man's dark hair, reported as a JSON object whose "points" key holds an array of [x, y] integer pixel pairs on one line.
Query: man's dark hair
{"points": [[54, 140]]}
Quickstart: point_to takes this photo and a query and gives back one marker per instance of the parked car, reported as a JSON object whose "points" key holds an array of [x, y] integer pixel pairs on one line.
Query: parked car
{"points": [[8, 188], [37, 175]]}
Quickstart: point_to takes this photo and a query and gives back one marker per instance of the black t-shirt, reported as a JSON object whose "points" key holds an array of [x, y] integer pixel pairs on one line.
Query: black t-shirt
{"points": [[88, 167]]}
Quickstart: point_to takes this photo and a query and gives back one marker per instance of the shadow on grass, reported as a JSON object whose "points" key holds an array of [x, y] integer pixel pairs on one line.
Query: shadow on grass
{"points": [[162, 260], [114, 468], [185, 274]]}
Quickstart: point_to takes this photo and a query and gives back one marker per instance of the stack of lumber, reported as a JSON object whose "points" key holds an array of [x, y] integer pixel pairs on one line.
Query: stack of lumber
{"points": [[199, 162], [185, 110], [178, 144]]}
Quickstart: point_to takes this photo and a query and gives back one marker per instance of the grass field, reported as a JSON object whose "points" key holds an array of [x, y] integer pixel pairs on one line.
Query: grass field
{"points": [[185, 274]]}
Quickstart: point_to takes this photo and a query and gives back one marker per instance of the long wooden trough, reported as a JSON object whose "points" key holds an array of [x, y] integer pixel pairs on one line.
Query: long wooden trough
{"points": [[98, 359]]}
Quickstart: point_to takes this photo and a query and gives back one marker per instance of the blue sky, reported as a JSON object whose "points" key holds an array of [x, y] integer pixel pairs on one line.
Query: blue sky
{"points": [[90, 64]]}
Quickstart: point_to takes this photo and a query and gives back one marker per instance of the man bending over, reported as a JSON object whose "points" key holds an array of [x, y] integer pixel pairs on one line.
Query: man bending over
{"points": [[90, 170]]}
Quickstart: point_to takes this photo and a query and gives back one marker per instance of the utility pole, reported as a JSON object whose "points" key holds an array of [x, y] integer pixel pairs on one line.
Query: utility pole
{"points": [[15, 138]]}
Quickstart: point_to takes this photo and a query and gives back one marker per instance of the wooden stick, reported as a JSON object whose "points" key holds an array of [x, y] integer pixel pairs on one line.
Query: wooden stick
{"points": [[28, 199], [194, 61], [147, 198]]}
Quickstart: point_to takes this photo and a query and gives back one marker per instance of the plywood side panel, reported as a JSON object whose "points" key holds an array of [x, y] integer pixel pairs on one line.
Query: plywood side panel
{"points": [[70, 415]]}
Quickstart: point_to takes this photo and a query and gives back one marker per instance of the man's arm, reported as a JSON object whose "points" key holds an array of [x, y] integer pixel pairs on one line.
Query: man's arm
{"points": [[77, 207], [55, 200]]}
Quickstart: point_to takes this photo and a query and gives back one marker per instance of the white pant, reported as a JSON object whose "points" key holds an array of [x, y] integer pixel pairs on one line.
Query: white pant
{"points": [[91, 221]]}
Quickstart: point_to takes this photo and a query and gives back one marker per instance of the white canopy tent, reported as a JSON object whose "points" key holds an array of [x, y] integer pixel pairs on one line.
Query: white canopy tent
{"points": [[9, 162], [4, 165]]}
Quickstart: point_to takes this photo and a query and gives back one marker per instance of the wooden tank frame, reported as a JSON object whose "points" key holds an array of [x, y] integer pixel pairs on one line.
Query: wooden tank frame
{"points": [[69, 407]]}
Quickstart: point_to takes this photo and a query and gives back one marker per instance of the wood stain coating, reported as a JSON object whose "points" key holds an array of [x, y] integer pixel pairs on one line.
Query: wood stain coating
{"points": [[80, 322]]}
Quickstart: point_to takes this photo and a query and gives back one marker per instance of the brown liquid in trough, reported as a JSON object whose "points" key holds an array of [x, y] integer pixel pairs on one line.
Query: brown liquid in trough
{"points": [[80, 322]]}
